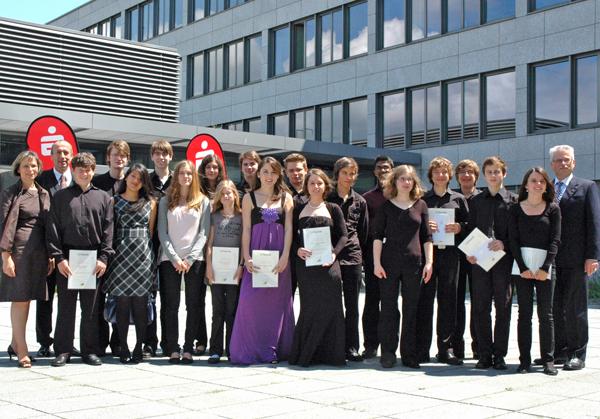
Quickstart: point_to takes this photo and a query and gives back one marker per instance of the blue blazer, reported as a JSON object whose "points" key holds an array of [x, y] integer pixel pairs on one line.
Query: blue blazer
{"points": [[580, 233]]}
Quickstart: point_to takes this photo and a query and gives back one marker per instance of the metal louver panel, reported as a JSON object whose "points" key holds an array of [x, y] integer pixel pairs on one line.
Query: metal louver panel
{"points": [[49, 67]]}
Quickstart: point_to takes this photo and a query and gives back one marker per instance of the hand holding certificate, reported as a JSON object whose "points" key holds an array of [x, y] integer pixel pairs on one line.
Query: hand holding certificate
{"points": [[442, 217], [318, 241], [264, 263], [83, 269], [225, 264], [476, 244]]}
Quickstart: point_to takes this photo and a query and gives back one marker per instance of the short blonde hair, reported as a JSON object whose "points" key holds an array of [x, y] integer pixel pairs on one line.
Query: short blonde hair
{"points": [[25, 155], [404, 169]]}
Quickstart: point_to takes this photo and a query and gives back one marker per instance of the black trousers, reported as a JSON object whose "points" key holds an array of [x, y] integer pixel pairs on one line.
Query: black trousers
{"points": [[444, 280], [407, 280], [351, 279], [105, 337], [370, 316], [65, 319], [465, 276], [150, 336], [544, 291], [137, 308], [487, 286], [224, 303], [43, 314], [571, 312], [195, 292]]}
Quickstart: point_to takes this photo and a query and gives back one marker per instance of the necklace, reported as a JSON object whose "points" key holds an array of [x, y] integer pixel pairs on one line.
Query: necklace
{"points": [[315, 206]]}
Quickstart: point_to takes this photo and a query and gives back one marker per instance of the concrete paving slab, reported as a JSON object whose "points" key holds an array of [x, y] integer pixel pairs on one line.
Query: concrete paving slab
{"points": [[568, 408], [454, 410], [393, 404], [81, 402], [214, 399], [264, 408], [131, 410]]}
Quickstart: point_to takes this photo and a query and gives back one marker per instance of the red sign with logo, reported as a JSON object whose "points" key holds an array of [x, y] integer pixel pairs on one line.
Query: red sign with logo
{"points": [[203, 145], [45, 131]]}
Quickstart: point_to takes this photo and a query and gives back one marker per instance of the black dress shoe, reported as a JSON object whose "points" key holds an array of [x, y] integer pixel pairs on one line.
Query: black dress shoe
{"points": [[424, 359], [523, 368], [148, 351], [550, 369], [388, 360], [411, 364], [574, 364], [475, 355], [369, 353], [75, 352], [125, 357], [61, 360], [91, 359], [44, 352], [353, 355], [448, 358], [499, 363], [484, 364]]}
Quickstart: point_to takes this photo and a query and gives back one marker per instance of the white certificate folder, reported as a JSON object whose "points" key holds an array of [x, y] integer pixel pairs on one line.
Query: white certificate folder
{"points": [[476, 244], [533, 258], [443, 217], [83, 265], [318, 241], [264, 261], [225, 261]]}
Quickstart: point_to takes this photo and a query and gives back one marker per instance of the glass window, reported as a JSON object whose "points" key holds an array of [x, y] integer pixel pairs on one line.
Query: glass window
{"points": [[304, 124], [418, 19], [434, 113], [540, 4], [236, 64], [280, 124], [394, 124], [133, 24], [198, 75], [304, 43], [216, 6], [104, 28], [234, 126], [198, 9], [394, 18], [331, 123], [332, 36], [462, 110], [281, 49], [418, 117], [116, 26], [357, 122], [255, 56], [463, 14], [253, 125], [499, 9], [426, 115], [233, 3], [164, 11], [472, 13], [587, 90], [552, 95], [500, 104], [310, 43], [147, 21], [455, 15], [178, 10], [434, 17], [358, 29], [215, 69]]}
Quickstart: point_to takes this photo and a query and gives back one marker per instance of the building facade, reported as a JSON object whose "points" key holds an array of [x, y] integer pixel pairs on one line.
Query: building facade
{"points": [[458, 78]]}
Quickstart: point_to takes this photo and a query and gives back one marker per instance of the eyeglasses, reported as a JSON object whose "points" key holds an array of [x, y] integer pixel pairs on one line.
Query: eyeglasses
{"points": [[563, 160]]}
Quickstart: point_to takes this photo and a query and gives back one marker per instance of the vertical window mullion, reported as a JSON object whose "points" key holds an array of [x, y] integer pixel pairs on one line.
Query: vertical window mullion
{"points": [[573, 93]]}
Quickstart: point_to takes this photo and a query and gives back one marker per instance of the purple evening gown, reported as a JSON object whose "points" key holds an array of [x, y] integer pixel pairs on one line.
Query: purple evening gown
{"points": [[263, 329]]}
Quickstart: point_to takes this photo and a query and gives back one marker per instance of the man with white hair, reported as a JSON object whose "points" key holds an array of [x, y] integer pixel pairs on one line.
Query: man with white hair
{"points": [[577, 257]]}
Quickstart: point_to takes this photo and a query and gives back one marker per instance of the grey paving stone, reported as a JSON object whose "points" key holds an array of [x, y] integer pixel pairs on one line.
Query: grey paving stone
{"points": [[568, 409]]}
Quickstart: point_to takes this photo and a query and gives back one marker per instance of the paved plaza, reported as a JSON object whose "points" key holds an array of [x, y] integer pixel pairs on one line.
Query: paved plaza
{"points": [[362, 390]]}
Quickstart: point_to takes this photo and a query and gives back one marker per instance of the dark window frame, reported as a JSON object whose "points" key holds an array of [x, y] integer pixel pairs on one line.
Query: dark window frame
{"points": [[483, 132]]}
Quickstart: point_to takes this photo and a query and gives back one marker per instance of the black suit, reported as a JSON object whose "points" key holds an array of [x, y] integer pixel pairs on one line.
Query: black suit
{"points": [[43, 315], [580, 240]]}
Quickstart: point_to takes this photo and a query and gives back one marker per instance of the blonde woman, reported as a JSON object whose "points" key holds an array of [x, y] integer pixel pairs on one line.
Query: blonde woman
{"points": [[401, 230], [183, 225]]}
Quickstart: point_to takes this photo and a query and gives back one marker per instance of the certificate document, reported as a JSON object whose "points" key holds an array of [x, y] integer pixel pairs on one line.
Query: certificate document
{"points": [[442, 216], [318, 241], [476, 244], [225, 262], [83, 265], [264, 261], [533, 258]]}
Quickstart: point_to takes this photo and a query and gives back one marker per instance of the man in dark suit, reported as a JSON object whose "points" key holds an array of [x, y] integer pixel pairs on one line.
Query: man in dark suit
{"points": [[52, 180], [577, 257]]}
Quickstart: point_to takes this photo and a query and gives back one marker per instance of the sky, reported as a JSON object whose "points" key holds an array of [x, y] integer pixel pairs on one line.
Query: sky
{"points": [[37, 11]]}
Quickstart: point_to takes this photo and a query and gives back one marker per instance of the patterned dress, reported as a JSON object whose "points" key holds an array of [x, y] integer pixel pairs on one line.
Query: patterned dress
{"points": [[131, 271]]}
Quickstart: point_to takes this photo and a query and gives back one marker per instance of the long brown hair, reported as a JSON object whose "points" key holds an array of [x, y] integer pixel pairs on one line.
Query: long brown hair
{"points": [[404, 169], [279, 188], [204, 185], [226, 184], [194, 197], [548, 194]]}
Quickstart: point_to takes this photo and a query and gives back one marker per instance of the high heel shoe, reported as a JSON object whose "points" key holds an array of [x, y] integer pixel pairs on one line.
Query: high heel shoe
{"points": [[11, 352], [25, 362]]}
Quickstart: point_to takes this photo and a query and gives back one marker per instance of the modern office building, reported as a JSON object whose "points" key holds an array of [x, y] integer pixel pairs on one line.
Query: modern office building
{"points": [[459, 78]]}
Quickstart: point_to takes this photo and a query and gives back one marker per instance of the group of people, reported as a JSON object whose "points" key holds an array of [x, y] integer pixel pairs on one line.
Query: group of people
{"points": [[152, 231]]}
